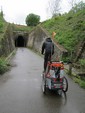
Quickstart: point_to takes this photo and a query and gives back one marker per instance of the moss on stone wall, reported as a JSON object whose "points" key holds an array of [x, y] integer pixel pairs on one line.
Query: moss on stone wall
{"points": [[6, 41]]}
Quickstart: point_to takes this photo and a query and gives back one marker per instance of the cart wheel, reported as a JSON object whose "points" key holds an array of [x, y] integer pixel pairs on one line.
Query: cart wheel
{"points": [[44, 87], [43, 84], [65, 84]]}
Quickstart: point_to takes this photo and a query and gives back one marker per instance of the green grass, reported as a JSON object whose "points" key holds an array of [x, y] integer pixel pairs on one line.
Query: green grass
{"points": [[23, 28], [77, 79], [3, 66], [80, 82], [69, 28]]}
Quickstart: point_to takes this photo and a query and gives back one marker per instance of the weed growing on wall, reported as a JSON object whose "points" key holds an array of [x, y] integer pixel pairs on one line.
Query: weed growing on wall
{"points": [[3, 66]]}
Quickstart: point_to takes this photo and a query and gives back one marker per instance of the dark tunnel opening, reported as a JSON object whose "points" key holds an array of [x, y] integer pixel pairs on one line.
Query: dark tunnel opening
{"points": [[20, 42]]}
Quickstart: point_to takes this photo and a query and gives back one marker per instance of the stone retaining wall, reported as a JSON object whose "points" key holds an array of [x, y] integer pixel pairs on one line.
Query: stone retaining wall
{"points": [[36, 39], [6, 42]]}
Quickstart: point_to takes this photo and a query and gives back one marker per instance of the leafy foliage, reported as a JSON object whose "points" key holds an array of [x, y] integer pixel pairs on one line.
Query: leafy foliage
{"points": [[3, 66], [80, 82], [78, 7], [1, 27], [2, 23], [32, 19], [82, 62]]}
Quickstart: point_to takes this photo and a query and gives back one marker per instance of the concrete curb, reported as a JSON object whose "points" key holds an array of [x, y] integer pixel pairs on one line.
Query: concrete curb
{"points": [[10, 55]]}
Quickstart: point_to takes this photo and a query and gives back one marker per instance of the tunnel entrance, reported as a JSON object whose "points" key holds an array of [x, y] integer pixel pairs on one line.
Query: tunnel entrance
{"points": [[20, 42]]}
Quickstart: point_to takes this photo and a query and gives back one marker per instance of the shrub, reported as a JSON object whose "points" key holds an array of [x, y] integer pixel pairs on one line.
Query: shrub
{"points": [[3, 66], [1, 27], [82, 62]]}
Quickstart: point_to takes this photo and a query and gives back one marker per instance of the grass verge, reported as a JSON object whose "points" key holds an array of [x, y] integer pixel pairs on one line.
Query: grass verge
{"points": [[77, 79], [5, 63]]}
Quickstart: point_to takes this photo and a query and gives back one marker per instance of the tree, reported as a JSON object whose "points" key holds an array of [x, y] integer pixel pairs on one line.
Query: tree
{"points": [[74, 2], [54, 7], [32, 19], [78, 6]]}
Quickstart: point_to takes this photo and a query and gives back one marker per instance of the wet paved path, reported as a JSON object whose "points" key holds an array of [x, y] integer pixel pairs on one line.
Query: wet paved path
{"points": [[20, 89]]}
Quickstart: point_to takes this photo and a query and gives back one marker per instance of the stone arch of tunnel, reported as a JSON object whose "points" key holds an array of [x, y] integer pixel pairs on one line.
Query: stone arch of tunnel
{"points": [[20, 41]]}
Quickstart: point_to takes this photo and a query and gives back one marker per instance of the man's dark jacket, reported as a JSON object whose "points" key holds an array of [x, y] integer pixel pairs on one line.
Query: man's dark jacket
{"points": [[48, 47]]}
